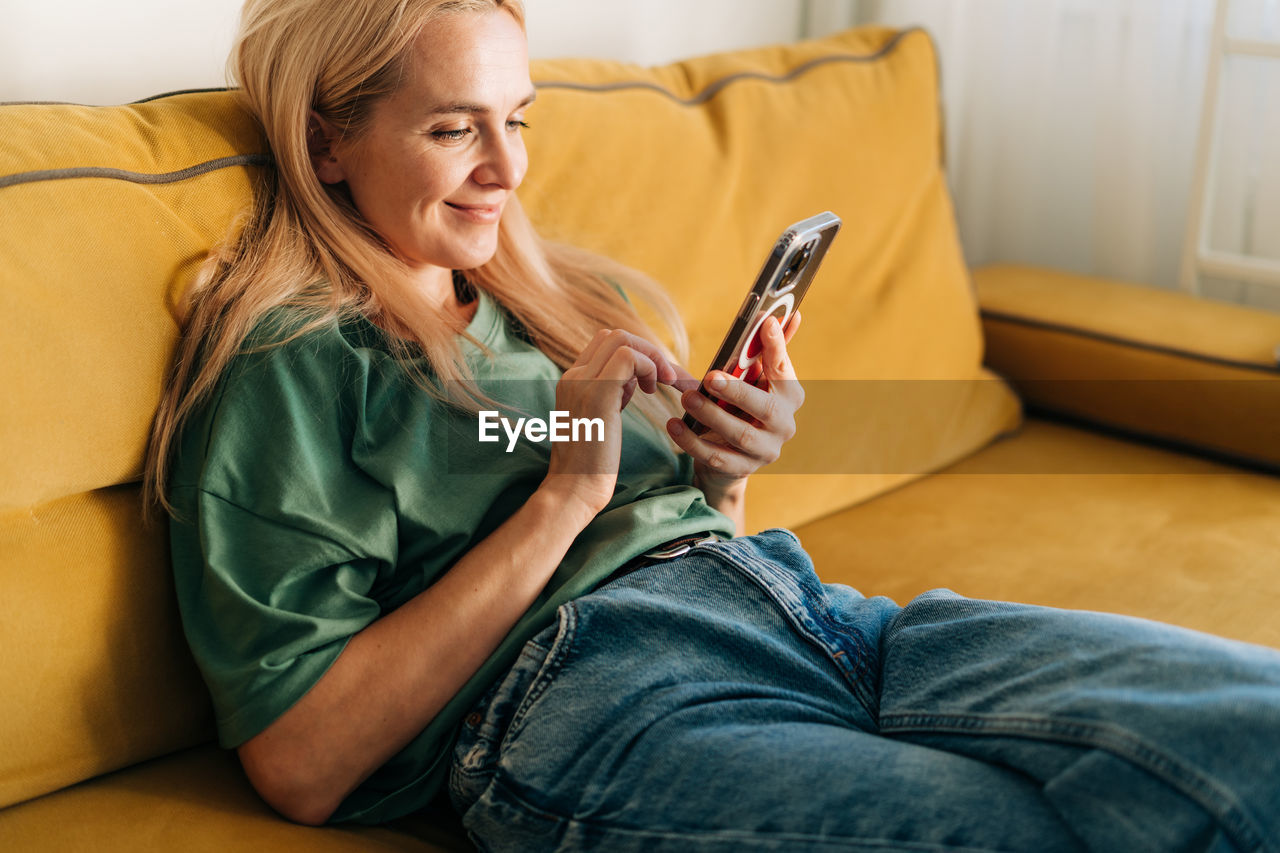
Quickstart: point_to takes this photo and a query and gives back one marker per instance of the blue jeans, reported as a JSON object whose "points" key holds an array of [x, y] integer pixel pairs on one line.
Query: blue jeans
{"points": [[728, 700]]}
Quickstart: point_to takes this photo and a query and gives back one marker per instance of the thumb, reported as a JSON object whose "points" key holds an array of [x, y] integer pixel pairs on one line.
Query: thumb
{"points": [[775, 361]]}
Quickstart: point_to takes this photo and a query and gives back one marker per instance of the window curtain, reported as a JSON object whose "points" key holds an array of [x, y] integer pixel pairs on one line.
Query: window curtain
{"points": [[1072, 125]]}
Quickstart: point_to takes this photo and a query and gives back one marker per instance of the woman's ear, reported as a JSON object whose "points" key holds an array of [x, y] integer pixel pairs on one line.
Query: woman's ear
{"points": [[321, 136]]}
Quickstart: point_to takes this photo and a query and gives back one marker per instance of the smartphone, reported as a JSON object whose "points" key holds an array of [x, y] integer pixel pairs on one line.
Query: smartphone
{"points": [[778, 289]]}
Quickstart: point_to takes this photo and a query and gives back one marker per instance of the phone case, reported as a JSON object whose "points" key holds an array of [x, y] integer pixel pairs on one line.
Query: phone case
{"points": [[781, 285]]}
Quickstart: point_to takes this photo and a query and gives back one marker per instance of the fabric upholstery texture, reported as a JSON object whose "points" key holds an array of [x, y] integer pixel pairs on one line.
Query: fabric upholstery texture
{"points": [[1159, 363], [94, 266], [196, 800], [96, 671], [1064, 517]]}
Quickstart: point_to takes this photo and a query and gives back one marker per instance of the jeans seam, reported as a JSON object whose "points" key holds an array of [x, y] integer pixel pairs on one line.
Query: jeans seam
{"points": [[1215, 799], [556, 655], [852, 671]]}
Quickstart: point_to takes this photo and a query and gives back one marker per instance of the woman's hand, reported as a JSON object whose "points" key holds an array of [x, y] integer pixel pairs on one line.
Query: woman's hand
{"points": [[599, 385], [736, 445]]}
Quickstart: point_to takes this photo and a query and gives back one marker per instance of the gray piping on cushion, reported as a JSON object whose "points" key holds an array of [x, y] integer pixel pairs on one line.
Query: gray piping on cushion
{"points": [[1016, 320], [263, 159], [182, 92], [134, 177], [131, 103], [714, 89]]}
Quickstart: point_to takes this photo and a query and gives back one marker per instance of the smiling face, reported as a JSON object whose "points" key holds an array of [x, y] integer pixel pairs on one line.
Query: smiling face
{"points": [[441, 156]]}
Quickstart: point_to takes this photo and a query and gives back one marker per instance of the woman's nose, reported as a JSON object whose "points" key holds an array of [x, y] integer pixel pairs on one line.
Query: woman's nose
{"points": [[504, 163]]}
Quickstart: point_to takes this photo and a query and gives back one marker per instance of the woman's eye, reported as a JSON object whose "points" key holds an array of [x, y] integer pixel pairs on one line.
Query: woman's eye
{"points": [[514, 123], [451, 135]]}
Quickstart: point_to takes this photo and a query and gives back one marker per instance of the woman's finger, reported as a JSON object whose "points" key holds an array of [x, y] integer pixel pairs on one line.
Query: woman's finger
{"points": [[773, 405], [601, 349], [628, 390], [741, 428], [593, 345], [793, 324], [719, 457], [632, 368], [774, 359]]}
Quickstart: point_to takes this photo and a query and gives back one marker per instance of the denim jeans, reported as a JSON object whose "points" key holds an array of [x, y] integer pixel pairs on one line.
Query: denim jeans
{"points": [[729, 700]]}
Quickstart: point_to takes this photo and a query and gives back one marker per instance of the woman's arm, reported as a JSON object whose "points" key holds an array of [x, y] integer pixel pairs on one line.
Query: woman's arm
{"points": [[730, 500], [397, 674]]}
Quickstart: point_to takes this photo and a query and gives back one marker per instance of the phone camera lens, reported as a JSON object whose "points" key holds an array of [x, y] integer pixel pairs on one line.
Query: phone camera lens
{"points": [[798, 263]]}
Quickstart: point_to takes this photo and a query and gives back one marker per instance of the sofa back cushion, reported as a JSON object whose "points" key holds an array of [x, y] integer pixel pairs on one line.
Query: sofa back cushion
{"points": [[105, 212], [690, 171], [687, 172]]}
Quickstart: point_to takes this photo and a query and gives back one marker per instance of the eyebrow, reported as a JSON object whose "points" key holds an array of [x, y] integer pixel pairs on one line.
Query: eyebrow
{"points": [[479, 109]]}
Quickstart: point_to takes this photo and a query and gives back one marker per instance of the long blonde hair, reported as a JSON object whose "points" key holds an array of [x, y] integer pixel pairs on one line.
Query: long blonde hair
{"points": [[305, 246]]}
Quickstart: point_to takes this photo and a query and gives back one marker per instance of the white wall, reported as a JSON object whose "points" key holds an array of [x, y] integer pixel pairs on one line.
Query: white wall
{"points": [[1072, 124], [652, 32], [99, 52]]}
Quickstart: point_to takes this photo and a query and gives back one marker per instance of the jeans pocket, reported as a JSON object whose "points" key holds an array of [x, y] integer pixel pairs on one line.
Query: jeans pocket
{"points": [[557, 651], [495, 718], [836, 619]]}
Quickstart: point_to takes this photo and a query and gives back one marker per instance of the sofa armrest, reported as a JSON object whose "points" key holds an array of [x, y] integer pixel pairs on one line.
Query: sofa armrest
{"points": [[1162, 365]]}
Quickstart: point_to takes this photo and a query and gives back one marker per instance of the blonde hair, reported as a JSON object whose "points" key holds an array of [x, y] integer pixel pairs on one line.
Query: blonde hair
{"points": [[304, 245]]}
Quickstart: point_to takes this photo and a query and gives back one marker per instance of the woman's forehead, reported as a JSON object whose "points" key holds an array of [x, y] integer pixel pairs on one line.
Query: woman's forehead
{"points": [[471, 59]]}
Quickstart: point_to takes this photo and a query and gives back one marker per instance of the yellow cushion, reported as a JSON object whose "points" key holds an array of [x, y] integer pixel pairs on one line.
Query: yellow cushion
{"points": [[90, 265], [691, 170], [1069, 518], [196, 801], [96, 671], [1159, 363], [92, 259]]}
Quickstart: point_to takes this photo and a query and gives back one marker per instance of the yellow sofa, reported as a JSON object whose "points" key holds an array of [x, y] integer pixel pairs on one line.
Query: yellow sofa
{"points": [[1139, 476]]}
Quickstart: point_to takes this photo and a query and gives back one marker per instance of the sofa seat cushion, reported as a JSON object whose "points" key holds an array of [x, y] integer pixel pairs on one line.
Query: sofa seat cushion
{"points": [[195, 800], [1059, 516]]}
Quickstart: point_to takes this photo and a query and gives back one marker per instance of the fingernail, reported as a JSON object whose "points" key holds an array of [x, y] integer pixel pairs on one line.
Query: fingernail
{"points": [[675, 427], [693, 401], [717, 382]]}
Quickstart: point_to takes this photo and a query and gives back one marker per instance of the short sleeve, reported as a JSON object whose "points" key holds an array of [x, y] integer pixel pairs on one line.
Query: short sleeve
{"points": [[279, 541], [267, 608]]}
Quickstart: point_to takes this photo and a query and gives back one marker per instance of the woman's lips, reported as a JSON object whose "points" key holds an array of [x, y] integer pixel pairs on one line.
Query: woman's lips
{"points": [[483, 214]]}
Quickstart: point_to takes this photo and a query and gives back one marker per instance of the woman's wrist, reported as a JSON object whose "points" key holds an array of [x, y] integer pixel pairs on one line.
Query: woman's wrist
{"points": [[728, 498], [566, 501]]}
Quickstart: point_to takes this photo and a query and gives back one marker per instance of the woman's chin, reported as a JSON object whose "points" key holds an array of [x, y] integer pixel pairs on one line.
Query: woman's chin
{"points": [[476, 254]]}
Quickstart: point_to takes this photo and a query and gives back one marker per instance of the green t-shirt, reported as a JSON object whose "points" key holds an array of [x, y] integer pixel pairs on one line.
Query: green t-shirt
{"points": [[320, 488]]}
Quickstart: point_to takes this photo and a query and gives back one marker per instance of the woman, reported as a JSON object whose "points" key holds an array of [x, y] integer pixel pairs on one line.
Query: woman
{"points": [[574, 634]]}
